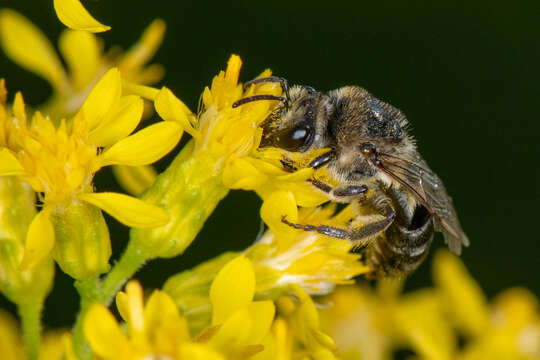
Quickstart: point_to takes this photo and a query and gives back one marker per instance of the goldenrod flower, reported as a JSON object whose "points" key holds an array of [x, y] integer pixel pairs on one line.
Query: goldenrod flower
{"points": [[238, 326], [368, 324], [193, 185], [83, 52], [153, 329], [315, 262], [73, 14], [359, 321], [263, 173], [508, 328], [59, 163], [283, 258], [55, 345]]}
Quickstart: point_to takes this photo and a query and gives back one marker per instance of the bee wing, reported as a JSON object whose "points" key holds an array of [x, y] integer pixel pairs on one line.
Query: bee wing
{"points": [[425, 185]]}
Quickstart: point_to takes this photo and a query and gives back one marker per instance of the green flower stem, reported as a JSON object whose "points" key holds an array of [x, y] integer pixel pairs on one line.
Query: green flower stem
{"points": [[89, 291], [190, 189], [132, 259], [30, 313]]}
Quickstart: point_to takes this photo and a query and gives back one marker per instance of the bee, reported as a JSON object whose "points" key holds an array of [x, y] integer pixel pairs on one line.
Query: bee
{"points": [[370, 152]]}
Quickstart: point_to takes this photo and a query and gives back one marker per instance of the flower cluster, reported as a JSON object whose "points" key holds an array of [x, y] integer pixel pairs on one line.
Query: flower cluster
{"points": [[259, 303], [59, 163], [371, 324], [240, 326]]}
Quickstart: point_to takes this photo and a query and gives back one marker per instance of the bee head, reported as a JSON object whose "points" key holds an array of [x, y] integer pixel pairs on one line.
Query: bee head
{"points": [[299, 124]]}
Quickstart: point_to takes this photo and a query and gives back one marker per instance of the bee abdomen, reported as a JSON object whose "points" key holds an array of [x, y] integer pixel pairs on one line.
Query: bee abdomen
{"points": [[401, 250]]}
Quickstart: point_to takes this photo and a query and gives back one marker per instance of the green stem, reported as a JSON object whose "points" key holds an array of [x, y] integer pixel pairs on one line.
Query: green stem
{"points": [[30, 313], [89, 292], [132, 259], [94, 291]]}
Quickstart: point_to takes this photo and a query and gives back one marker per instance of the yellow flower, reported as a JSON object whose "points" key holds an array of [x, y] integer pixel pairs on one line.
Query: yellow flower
{"points": [[238, 326], [508, 328], [59, 162], [55, 345], [368, 324], [315, 262], [83, 53], [359, 321], [289, 261], [73, 14], [282, 258], [222, 135], [154, 328]]}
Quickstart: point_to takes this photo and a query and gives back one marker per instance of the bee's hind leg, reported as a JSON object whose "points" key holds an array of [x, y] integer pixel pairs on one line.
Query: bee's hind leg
{"points": [[358, 236], [322, 229]]}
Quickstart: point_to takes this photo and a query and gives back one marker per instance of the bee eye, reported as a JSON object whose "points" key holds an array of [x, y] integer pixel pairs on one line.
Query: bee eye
{"points": [[296, 139]]}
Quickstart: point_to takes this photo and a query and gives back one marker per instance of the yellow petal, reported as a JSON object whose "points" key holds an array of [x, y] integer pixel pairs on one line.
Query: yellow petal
{"points": [[135, 179], [146, 92], [195, 351], [128, 210], [135, 306], [241, 174], [262, 313], [9, 165], [279, 205], [122, 304], [462, 296], [420, 319], [232, 289], [82, 53], [233, 335], [19, 108], [101, 100], [104, 334], [10, 338], [73, 14], [145, 146], [145, 48], [121, 123], [39, 240], [162, 315], [27, 46], [170, 108]]}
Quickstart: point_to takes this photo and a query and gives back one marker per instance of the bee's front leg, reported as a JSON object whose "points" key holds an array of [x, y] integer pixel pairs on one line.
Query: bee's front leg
{"points": [[322, 160]]}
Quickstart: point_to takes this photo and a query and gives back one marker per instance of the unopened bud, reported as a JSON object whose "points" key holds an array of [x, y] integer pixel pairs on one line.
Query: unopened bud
{"points": [[82, 246], [17, 210]]}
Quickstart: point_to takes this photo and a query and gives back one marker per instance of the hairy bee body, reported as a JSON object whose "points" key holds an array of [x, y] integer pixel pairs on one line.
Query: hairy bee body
{"points": [[369, 149]]}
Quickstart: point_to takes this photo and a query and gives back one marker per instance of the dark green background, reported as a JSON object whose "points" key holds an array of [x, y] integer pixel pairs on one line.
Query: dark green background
{"points": [[466, 75]]}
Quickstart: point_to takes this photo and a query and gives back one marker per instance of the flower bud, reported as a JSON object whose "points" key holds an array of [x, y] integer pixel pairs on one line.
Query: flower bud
{"points": [[82, 246], [189, 190], [16, 212]]}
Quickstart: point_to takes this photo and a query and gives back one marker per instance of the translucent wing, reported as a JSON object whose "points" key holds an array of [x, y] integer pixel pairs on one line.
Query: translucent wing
{"points": [[425, 185]]}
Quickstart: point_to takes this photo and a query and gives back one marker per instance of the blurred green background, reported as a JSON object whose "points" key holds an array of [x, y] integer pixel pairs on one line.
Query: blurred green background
{"points": [[466, 74]]}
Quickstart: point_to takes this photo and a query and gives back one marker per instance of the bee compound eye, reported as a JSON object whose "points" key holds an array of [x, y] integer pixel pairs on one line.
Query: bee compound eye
{"points": [[297, 138]]}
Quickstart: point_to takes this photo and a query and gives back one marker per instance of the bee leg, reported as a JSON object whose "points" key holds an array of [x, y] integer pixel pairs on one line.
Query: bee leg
{"points": [[357, 236], [322, 160], [322, 229], [339, 192]]}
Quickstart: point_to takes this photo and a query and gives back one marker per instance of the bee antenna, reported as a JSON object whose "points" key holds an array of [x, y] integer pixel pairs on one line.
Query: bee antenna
{"points": [[260, 97], [282, 81]]}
